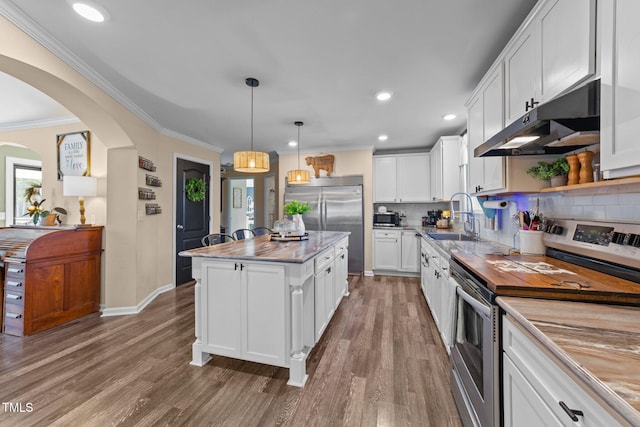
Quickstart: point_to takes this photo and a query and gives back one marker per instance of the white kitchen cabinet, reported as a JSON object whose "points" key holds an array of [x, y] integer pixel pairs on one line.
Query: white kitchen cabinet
{"points": [[444, 157], [240, 308], [553, 51], [342, 271], [324, 291], [535, 385], [409, 251], [386, 250], [620, 107], [402, 178]]}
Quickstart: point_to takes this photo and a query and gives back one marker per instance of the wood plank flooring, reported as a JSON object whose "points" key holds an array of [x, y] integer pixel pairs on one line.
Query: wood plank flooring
{"points": [[380, 362]]}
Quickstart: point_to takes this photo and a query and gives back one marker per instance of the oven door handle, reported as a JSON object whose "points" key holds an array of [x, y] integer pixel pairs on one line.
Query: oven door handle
{"points": [[478, 306]]}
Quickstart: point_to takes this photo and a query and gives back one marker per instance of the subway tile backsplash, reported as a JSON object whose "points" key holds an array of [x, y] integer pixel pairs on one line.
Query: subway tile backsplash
{"points": [[605, 207]]}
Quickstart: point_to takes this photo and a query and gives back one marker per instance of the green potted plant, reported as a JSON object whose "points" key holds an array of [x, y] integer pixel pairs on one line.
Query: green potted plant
{"points": [[296, 210], [555, 172]]}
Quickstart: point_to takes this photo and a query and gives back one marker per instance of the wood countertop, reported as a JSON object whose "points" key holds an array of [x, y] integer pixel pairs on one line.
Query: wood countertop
{"points": [[539, 276], [602, 348], [262, 249]]}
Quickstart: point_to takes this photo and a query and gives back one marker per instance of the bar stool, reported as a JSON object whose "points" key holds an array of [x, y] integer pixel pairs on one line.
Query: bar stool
{"points": [[216, 239], [261, 231], [243, 233]]}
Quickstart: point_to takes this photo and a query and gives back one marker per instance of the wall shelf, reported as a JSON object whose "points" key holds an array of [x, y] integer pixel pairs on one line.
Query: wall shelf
{"points": [[146, 164], [612, 186], [153, 181]]}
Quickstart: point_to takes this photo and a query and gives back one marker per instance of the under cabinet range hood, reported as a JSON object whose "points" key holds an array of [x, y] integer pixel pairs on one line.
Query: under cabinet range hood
{"points": [[564, 124]]}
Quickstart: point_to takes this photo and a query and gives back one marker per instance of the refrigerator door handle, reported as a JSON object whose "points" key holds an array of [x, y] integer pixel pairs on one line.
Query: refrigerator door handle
{"points": [[324, 213]]}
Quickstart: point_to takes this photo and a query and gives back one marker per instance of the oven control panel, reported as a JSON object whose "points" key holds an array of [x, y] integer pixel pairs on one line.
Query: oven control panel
{"points": [[611, 241]]}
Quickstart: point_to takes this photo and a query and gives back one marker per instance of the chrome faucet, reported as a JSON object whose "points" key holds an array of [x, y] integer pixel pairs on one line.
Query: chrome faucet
{"points": [[470, 222]]}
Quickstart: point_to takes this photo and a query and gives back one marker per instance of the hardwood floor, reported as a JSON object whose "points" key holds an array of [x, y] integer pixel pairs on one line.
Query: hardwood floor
{"points": [[380, 362]]}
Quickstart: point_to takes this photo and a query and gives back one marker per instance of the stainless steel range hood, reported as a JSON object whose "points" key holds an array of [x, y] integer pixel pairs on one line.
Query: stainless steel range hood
{"points": [[564, 124]]}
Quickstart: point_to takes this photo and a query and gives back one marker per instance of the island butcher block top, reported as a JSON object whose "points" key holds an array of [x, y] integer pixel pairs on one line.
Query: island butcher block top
{"points": [[262, 249]]}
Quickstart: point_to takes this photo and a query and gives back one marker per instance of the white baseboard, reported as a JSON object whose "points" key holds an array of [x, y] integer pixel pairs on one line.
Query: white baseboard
{"points": [[122, 311], [369, 273]]}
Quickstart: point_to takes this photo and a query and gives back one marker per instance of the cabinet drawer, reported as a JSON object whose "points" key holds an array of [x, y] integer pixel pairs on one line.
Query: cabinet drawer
{"points": [[13, 319], [342, 246], [15, 270], [550, 380], [15, 284], [385, 234], [324, 259], [12, 297]]}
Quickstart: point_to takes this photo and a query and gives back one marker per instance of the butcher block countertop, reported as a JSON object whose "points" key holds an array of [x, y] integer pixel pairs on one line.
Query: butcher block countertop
{"points": [[598, 343], [262, 249], [539, 276]]}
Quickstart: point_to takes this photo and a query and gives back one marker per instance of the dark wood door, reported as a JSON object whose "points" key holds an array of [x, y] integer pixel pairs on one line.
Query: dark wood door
{"points": [[192, 218]]}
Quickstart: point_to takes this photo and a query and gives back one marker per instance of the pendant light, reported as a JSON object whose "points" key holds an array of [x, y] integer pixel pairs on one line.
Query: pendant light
{"points": [[298, 176], [251, 161]]}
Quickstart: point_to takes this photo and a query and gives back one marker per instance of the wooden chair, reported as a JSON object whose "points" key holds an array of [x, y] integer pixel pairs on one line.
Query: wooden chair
{"points": [[216, 239], [243, 233], [261, 231]]}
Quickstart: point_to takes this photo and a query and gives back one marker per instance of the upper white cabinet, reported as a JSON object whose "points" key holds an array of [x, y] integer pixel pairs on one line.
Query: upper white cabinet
{"points": [[402, 178], [445, 179], [554, 51], [620, 104]]}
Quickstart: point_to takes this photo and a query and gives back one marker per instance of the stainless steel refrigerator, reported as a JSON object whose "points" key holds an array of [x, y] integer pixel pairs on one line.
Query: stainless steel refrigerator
{"points": [[337, 205]]}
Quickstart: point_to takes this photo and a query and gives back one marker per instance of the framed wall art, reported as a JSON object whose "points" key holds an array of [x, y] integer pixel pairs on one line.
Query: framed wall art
{"points": [[237, 197], [74, 154]]}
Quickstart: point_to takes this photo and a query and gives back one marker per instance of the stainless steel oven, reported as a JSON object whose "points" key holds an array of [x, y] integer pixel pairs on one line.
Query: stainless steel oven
{"points": [[475, 352]]}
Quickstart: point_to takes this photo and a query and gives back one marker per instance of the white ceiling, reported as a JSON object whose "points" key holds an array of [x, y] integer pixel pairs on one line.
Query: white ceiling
{"points": [[181, 66]]}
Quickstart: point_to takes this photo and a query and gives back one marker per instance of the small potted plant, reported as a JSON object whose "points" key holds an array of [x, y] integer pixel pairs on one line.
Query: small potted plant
{"points": [[555, 172], [296, 210]]}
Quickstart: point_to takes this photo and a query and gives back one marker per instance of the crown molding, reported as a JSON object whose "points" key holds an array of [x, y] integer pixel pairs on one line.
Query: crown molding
{"points": [[39, 124], [21, 20]]}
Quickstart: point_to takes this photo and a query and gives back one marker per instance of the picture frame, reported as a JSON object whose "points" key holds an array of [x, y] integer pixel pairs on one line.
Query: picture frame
{"points": [[73, 154], [237, 197]]}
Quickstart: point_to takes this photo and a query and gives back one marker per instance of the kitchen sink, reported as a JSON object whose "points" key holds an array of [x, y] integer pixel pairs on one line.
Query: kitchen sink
{"points": [[450, 236]]}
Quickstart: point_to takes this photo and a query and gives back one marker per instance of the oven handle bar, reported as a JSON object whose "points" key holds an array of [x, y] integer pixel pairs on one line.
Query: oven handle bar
{"points": [[478, 306]]}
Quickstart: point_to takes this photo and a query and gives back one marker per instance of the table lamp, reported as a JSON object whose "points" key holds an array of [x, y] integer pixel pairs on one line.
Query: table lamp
{"points": [[81, 186]]}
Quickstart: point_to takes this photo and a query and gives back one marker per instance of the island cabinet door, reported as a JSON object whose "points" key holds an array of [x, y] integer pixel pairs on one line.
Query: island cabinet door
{"points": [[264, 293], [221, 300]]}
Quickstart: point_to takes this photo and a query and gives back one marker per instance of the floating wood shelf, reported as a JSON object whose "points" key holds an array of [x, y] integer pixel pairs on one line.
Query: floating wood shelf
{"points": [[612, 186]]}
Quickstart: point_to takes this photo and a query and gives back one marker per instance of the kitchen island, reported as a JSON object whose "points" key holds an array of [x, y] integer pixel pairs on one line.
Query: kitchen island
{"points": [[267, 301]]}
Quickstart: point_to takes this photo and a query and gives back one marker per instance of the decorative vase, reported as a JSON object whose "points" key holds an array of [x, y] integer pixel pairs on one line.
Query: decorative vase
{"points": [[586, 168], [558, 180], [297, 218], [574, 169]]}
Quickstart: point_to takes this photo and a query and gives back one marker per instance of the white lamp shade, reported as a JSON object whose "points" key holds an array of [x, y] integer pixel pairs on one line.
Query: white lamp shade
{"points": [[79, 186]]}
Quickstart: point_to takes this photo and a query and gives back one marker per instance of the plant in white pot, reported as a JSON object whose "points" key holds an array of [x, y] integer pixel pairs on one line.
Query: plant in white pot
{"points": [[555, 172], [296, 210]]}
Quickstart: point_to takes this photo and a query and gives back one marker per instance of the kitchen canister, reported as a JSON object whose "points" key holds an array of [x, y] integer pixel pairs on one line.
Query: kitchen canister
{"points": [[531, 242]]}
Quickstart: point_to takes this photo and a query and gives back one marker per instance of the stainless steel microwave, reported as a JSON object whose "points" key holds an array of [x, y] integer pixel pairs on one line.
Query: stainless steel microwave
{"points": [[387, 219]]}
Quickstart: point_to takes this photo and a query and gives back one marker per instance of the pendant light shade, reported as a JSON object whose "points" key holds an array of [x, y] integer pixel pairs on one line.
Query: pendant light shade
{"points": [[251, 161], [298, 176]]}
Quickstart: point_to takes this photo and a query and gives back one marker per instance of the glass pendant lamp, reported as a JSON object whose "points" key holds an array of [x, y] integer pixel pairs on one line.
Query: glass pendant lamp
{"points": [[251, 161], [298, 176]]}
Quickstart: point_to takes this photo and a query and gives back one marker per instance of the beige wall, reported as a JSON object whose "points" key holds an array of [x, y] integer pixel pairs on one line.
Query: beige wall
{"points": [[357, 162], [139, 249]]}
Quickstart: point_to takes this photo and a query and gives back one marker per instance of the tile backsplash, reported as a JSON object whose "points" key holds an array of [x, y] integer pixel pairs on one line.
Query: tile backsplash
{"points": [[413, 211], [604, 207]]}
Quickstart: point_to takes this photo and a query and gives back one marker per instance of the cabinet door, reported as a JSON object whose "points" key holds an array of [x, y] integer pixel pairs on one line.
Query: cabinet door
{"points": [[475, 132], [384, 179], [435, 156], [567, 57], [221, 303], [320, 287], [493, 121], [522, 75], [264, 293], [330, 290], [523, 406], [410, 251], [450, 169], [620, 151], [386, 250], [414, 178], [341, 276]]}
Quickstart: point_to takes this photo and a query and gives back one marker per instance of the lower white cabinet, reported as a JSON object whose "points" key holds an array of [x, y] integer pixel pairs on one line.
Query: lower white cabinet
{"points": [[386, 250], [410, 251], [324, 280], [240, 310], [342, 270], [538, 392]]}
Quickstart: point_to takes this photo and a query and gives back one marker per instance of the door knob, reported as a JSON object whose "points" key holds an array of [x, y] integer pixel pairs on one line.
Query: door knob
{"points": [[180, 227]]}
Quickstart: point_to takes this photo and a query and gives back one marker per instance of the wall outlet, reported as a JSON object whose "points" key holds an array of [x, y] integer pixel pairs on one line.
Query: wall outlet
{"points": [[403, 214]]}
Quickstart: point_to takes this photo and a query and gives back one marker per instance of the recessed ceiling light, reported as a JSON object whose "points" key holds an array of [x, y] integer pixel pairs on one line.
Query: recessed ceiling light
{"points": [[292, 143], [90, 11], [383, 96], [449, 116], [383, 138]]}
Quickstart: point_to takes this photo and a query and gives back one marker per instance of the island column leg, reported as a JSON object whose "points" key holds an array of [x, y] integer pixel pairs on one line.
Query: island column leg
{"points": [[199, 357], [298, 361]]}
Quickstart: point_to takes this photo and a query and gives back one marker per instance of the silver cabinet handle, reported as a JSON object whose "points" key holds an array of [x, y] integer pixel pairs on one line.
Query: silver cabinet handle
{"points": [[15, 270], [14, 284], [180, 227], [14, 297], [14, 316]]}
